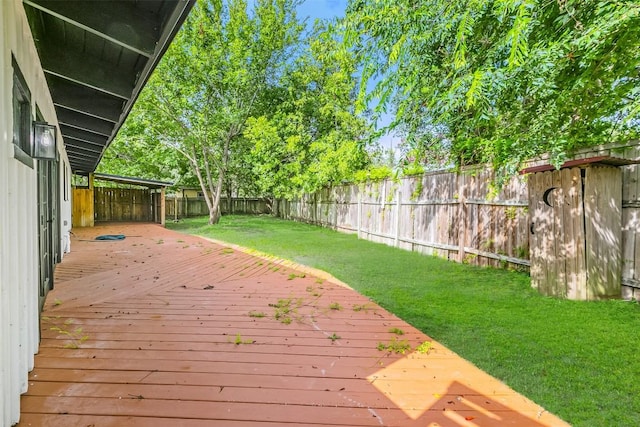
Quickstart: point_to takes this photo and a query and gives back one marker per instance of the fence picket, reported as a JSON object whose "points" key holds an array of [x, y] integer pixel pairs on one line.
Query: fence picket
{"points": [[196, 206]]}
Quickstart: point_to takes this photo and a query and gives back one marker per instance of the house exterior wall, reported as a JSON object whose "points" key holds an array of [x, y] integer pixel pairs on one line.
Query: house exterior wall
{"points": [[66, 199], [190, 193], [19, 253]]}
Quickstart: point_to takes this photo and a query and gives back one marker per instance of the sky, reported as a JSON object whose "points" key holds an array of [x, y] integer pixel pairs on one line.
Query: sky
{"points": [[322, 9]]}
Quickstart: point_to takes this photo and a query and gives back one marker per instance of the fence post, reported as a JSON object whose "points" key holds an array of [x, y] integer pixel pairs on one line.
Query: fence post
{"points": [[163, 207], [186, 205], [358, 222], [396, 242], [462, 216]]}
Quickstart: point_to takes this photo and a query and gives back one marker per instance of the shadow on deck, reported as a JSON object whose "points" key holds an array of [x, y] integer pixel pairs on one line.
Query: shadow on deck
{"points": [[163, 329]]}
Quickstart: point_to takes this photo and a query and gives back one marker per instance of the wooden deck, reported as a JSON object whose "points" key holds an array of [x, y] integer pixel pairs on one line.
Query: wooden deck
{"points": [[163, 329]]}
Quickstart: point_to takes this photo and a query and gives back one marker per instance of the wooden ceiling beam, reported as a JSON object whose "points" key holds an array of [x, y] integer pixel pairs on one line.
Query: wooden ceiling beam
{"points": [[87, 71], [119, 22]]}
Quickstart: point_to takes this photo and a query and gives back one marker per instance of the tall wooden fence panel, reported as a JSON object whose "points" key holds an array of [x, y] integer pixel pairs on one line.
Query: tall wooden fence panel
{"points": [[631, 225], [82, 209], [494, 224], [122, 204], [452, 215], [186, 207]]}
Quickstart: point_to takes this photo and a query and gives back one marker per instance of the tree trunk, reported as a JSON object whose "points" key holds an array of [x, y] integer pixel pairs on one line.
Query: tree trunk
{"points": [[214, 210], [214, 215]]}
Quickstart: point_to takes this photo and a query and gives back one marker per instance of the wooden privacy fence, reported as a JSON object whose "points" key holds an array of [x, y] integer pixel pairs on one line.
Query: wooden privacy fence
{"points": [[441, 213], [460, 216], [125, 204], [185, 207], [117, 198], [631, 229]]}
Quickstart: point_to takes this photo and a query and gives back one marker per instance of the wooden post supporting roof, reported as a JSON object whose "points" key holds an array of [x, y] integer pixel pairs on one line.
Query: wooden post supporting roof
{"points": [[163, 207], [82, 200]]}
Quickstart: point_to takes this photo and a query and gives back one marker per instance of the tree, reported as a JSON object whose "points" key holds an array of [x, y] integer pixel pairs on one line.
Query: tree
{"points": [[217, 73], [312, 138], [501, 80], [131, 154]]}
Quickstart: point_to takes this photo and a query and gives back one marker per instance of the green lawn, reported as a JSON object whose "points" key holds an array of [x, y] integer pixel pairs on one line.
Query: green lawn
{"points": [[580, 360]]}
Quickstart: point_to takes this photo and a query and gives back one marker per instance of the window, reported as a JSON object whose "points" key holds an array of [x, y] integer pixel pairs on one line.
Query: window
{"points": [[21, 117]]}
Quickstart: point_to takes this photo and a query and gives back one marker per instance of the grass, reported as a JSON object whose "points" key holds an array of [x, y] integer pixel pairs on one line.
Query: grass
{"points": [[577, 359]]}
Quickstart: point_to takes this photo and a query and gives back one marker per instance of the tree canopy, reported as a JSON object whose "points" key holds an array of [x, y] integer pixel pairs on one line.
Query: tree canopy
{"points": [[501, 80], [253, 106], [250, 104], [132, 154], [313, 137]]}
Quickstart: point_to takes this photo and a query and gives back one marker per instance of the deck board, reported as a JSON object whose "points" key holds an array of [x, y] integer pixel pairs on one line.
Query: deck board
{"points": [[160, 330]]}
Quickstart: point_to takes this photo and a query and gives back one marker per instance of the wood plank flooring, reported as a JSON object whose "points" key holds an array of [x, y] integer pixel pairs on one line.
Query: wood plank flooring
{"points": [[163, 329]]}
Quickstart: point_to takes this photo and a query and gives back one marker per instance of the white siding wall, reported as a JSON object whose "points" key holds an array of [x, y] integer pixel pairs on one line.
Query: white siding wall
{"points": [[65, 206], [19, 216]]}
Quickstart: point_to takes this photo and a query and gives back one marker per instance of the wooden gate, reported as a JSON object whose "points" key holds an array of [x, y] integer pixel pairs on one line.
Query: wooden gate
{"points": [[575, 244]]}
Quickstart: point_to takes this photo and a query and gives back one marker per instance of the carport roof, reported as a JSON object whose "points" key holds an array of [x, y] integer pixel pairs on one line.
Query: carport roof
{"points": [[97, 57], [149, 183]]}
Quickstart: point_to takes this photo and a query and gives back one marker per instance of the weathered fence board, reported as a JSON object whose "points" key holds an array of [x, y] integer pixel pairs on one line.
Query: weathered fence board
{"points": [[576, 270], [82, 208], [122, 204], [442, 213], [186, 207], [603, 229], [631, 225], [558, 233]]}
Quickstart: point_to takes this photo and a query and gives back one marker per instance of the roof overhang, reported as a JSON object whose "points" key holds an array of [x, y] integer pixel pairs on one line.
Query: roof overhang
{"points": [[142, 182], [610, 155], [97, 57]]}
